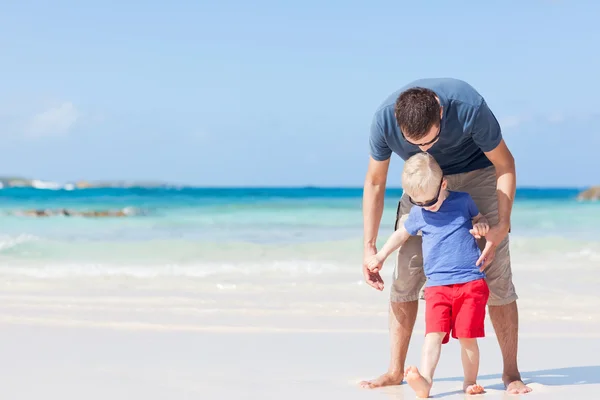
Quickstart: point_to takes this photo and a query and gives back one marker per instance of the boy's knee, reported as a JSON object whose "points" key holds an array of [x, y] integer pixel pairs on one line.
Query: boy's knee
{"points": [[436, 336], [468, 342]]}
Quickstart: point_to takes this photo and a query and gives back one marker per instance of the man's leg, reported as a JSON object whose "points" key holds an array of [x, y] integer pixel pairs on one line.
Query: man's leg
{"points": [[505, 320], [481, 185], [504, 314], [408, 280]]}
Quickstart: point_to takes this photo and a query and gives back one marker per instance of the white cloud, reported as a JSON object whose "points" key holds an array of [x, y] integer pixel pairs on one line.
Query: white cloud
{"points": [[513, 121], [56, 121], [556, 118]]}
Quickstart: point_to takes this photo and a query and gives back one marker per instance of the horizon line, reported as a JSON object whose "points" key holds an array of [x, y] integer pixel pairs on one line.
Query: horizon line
{"points": [[317, 187]]}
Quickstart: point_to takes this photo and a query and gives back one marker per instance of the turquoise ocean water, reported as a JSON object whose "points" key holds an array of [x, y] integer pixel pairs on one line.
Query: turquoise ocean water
{"points": [[199, 233]]}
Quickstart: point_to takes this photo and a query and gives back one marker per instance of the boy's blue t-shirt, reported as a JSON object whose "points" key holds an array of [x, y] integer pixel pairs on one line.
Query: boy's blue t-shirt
{"points": [[450, 252]]}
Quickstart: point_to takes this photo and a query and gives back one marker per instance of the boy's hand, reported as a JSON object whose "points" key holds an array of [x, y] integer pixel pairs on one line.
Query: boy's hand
{"points": [[375, 263], [495, 235], [373, 279], [480, 229]]}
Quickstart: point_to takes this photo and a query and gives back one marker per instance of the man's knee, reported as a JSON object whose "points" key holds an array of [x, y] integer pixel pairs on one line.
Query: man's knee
{"points": [[404, 315]]}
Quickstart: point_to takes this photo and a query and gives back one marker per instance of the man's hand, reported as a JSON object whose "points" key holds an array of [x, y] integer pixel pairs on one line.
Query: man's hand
{"points": [[480, 230], [493, 237], [373, 279]]}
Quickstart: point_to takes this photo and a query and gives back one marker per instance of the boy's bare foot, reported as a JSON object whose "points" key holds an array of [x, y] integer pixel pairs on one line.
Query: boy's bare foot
{"points": [[387, 379], [473, 389], [417, 382]]}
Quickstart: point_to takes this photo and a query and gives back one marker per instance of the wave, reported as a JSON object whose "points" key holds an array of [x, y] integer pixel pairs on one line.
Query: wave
{"points": [[34, 256], [114, 246], [10, 242], [266, 270]]}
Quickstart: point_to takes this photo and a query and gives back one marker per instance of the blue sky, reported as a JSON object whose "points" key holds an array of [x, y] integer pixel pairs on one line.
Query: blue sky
{"points": [[270, 93]]}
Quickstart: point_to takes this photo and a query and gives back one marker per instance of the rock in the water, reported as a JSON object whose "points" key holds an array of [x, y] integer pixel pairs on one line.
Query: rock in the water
{"points": [[592, 193]]}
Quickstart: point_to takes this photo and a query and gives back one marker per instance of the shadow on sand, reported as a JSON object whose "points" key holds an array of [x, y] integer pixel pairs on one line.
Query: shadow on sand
{"points": [[548, 377]]}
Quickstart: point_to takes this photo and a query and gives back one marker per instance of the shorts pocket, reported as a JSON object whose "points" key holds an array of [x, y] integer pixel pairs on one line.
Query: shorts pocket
{"points": [[480, 289]]}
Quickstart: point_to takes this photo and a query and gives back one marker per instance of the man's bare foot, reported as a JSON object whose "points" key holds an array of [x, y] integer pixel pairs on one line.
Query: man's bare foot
{"points": [[417, 382], [387, 379], [473, 389], [516, 386]]}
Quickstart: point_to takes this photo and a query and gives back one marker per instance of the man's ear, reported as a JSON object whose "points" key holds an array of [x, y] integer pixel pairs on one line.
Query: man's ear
{"points": [[441, 112], [444, 183]]}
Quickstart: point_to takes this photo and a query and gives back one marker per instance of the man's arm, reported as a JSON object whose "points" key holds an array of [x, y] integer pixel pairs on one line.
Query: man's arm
{"points": [[373, 196], [505, 190], [488, 136], [487, 133], [373, 200], [506, 185]]}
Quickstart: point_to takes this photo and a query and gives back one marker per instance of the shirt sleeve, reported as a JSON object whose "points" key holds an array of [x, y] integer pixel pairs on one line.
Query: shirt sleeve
{"points": [[414, 222], [379, 148], [471, 206], [486, 133]]}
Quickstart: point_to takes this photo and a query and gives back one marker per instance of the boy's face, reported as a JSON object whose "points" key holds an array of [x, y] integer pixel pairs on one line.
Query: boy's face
{"points": [[433, 201]]}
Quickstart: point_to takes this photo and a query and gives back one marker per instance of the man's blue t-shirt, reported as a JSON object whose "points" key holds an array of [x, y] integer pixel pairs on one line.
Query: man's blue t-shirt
{"points": [[469, 128], [450, 252]]}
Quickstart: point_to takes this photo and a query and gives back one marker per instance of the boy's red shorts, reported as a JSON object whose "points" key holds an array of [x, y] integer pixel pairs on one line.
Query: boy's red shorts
{"points": [[458, 309]]}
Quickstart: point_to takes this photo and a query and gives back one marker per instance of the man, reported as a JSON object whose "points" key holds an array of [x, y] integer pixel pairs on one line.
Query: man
{"points": [[451, 121]]}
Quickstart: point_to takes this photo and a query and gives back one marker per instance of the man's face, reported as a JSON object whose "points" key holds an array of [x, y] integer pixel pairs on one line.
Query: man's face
{"points": [[426, 142]]}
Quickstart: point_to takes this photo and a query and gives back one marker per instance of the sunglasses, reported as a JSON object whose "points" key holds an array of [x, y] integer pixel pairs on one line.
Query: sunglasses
{"points": [[430, 202], [435, 139]]}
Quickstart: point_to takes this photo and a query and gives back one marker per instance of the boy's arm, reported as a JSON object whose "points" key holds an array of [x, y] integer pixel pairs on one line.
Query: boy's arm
{"points": [[397, 239], [480, 219], [394, 242]]}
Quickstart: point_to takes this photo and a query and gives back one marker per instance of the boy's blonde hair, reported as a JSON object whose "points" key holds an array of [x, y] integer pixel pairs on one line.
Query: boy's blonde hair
{"points": [[421, 176]]}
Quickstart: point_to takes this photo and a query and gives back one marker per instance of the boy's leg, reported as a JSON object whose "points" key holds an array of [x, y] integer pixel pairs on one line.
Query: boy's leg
{"points": [[469, 353], [438, 322], [469, 324], [422, 381], [404, 296]]}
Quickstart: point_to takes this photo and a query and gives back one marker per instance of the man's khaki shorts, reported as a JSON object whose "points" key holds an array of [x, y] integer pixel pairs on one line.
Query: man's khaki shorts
{"points": [[408, 274]]}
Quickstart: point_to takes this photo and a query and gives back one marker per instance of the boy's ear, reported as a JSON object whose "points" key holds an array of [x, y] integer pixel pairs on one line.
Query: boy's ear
{"points": [[444, 183]]}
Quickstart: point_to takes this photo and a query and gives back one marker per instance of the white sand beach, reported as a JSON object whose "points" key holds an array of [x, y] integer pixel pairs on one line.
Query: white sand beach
{"points": [[96, 363], [262, 337]]}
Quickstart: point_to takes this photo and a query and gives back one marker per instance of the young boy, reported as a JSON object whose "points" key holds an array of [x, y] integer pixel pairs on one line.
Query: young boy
{"points": [[456, 292]]}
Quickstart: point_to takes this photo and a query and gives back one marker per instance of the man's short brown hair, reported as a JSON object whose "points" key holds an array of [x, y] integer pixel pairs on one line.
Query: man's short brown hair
{"points": [[417, 111]]}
